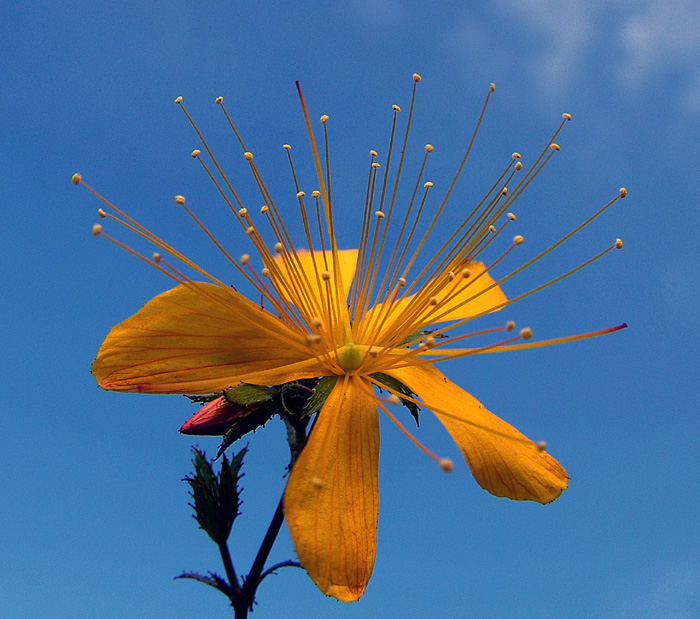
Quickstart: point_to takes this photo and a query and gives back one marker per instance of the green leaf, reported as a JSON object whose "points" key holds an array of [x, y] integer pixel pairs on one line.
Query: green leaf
{"points": [[321, 392], [216, 498], [419, 336], [396, 385], [248, 395]]}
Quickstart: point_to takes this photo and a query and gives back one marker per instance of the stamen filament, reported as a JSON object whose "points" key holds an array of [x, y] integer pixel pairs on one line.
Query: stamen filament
{"points": [[441, 461], [445, 413]]}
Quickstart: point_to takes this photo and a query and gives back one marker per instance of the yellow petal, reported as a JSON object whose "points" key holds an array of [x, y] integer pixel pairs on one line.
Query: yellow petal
{"points": [[304, 284], [463, 297], [503, 461], [332, 499], [196, 338]]}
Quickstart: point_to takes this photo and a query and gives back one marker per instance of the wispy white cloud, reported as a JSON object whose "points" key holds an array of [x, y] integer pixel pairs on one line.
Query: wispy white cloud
{"points": [[630, 44], [561, 34], [659, 38]]}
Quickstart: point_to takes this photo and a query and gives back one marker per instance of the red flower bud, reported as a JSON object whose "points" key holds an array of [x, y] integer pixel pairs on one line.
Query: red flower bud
{"points": [[214, 418]]}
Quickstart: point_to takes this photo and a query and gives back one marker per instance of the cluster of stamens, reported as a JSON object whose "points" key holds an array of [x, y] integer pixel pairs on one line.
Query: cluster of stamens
{"points": [[361, 336]]}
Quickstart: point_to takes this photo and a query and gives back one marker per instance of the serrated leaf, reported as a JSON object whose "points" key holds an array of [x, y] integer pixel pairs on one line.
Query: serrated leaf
{"points": [[321, 393], [216, 498], [248, 395], [396, 385]]}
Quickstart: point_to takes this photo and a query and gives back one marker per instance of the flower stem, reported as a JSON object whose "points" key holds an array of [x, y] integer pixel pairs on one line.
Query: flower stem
{"points": [[247, 592], [230, 570], [243, 598]]}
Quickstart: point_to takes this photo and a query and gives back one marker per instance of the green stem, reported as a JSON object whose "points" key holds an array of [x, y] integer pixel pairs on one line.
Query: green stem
{"points": [[243, 597], [230, 571]]}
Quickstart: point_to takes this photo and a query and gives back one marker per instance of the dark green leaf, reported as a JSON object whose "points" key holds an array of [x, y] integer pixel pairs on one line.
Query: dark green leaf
{"points": [[321, 393], [396, 385], [216, 498]]}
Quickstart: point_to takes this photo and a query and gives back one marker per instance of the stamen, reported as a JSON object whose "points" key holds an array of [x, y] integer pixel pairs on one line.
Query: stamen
{"points": [[445, 463]]}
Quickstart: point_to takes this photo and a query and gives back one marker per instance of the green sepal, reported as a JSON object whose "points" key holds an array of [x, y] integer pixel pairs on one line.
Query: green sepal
{"points": [[259, 404], [321, 392], [396, 385], [249, 395]]}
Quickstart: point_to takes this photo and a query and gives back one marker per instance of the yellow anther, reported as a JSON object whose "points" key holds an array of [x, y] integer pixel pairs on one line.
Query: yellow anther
{"points": [[554, 146], [465, 273], [157, 258], [317, 483], [279, 248], [566, 116], [511, 216], [526, 333], [179, 199], [313, 338], [618, 244], [396, 108], [324, 118], [96, 229], [516, 156], [376, 165], [429, 148], [518, 239], [316, 323], [433, 301], [264, 208], [301, 194], [373, 153], [623, 192], [492, 229], [394, 399], [101, 213], [379, 214], [504, 191], [430, 341], [374, 352], [518, 166], [428, 185], [315, 194], [265, 272], [196, 152], [325, 276], [446, 464], [492, 88], [178, 100], [245, 259], [219, 100], [451, 275], [243, 211], [510, 325], [76, 178], [250, 230], [541, 445], [248, 156], [416, 77], [286, 147], [402, 282]]}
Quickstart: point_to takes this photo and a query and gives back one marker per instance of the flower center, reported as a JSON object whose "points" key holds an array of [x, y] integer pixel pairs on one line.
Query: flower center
{"points": [[350, 357]]}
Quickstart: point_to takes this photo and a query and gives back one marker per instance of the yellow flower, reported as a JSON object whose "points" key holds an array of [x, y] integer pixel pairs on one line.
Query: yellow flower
{"points": [[355, 317]]}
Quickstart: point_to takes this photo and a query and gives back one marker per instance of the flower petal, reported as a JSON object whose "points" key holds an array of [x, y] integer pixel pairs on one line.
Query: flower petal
{"points": [[332, 498], [473, 295], [503, 461], [311, 265], [196, 338], [458, 299]]}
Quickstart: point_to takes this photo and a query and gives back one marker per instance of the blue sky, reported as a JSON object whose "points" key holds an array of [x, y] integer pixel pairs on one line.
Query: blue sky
{"points": [[94, 517]]}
